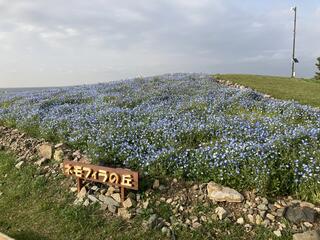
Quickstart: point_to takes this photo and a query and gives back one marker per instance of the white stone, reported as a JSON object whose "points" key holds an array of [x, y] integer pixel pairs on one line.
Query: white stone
{"points": [[117, 197], [19, 164], [221, 212], [45, 151], [240, 220], [220, 193], [82, 193], [124, 213], [58, 155], [93, 198], [128, 203], [277, 233], [156, 184], [41, 161]]}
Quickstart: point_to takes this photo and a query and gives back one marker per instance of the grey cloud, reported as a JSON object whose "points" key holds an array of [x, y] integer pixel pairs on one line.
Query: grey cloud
{"points": [[105, 40]]}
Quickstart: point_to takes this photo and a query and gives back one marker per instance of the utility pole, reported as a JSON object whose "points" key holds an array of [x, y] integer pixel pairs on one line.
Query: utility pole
{"points": [[294, 59]]}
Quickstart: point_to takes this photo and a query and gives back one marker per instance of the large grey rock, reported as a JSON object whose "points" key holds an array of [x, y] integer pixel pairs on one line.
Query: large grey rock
{"points": [[220, 193], [296, 214], [310, 235]]}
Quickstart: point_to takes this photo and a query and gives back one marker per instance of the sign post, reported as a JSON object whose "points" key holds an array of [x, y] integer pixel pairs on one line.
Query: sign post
{"points": [[119, 177]]}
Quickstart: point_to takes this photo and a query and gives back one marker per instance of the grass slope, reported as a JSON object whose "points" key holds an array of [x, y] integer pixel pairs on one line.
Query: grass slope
{"points": [[305, 91], [37, 208]]}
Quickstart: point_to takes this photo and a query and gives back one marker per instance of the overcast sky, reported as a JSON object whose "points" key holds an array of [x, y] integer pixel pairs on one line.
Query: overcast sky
{"points": [[69, 42]]}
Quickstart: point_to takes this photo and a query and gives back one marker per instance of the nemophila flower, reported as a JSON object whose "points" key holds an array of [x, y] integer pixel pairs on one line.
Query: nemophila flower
{"points": [[187, 123]]}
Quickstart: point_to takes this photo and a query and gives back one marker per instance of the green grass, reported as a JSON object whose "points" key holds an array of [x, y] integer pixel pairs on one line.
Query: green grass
{"points": [[305, 91], [34, 208]]}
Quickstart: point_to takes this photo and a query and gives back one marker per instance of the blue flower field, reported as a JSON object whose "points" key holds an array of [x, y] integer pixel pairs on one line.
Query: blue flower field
{"points": [[182, 125]]}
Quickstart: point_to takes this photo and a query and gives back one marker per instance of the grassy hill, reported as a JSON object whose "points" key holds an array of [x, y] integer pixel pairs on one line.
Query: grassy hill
{"points": [[183, 125], [305, 91]]}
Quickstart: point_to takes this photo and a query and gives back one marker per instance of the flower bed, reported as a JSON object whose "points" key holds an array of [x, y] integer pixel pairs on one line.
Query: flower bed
{"points": [[185, 125]]}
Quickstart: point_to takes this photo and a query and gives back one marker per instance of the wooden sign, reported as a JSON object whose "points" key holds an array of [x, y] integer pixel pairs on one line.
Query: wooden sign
{"points": [[123, 178]]}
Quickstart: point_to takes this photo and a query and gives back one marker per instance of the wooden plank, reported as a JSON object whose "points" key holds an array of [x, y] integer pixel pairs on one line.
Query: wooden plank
{"points": [[112, 176]]}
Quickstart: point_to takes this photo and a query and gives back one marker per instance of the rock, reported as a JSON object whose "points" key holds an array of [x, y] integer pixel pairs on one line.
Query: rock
{"points": [[19, 164], [156, 184], [77, 154], [262, 214], [117, 197], [112, 208], [124, 213], [128, 203], [219, 193], [110, 191], [58, 155], [152, 221], [251, 218], [248, 227], [103, 206], [277, 233], [196, 225], [109, 200], [145, 204], [264, 201], [82, 193], [266, 222], [45, 151], [308, 225], [169, 200], [307, 204], [296, 214], [166, 231], [240, 221], [280, 212], [259, 220], [309, 235], [41, 161], [73, 189], [59, 145], [221, 212], [93, 198], [86, 203], [271, 217], [262, 207], [195, 187], [78, 201], [162, 187]]}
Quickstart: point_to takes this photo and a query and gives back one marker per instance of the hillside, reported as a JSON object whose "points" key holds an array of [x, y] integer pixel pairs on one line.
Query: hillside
{"points": [[184, 125], [184, 129], [305, 91]]}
